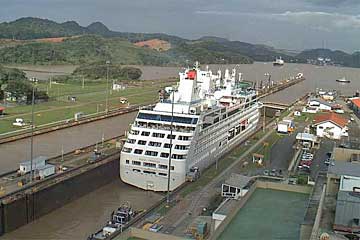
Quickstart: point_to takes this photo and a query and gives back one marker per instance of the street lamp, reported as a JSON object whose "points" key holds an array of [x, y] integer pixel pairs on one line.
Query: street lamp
{"points": [[170, 152], [34, 81], [107, 87]]}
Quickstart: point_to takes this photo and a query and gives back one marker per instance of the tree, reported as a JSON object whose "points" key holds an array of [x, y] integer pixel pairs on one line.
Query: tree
{"points": [[18, 89], [131, 73]]}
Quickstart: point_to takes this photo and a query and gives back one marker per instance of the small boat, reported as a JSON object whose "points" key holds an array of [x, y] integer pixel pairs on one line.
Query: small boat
{"points": [[278, 62], [343, 80], [118, 220]]}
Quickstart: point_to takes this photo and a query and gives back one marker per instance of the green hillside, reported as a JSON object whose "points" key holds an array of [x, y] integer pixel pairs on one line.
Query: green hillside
{"points": [[80, 50]]}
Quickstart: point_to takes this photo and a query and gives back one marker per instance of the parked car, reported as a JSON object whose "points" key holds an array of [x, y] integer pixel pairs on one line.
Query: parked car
{"points": [[327, 161], [308, 154], [273, 173]]}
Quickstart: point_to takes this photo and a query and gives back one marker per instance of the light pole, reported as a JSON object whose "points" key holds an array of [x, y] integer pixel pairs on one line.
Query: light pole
{"points": [[171, 137], [34, 81], [107, 87]]}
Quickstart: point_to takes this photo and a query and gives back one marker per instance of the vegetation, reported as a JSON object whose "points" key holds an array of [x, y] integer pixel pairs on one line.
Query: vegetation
{"points": [[79, 50], [337, 57], [15, 84], [98, 70], [207, 52], [82, 46], [95, 43]]}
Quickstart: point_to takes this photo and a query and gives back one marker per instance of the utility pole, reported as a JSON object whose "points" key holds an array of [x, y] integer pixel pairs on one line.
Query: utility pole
{"points": [[83, 82], [62, 153], [34, 80], [171, 137], [264, 119], [107, 87]]}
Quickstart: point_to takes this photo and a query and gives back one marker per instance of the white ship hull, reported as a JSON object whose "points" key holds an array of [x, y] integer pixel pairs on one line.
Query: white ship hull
{"points": [[200, 154]]}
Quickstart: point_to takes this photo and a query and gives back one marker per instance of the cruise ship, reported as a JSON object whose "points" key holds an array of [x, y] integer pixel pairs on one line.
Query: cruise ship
{"points": [[199, 121]]}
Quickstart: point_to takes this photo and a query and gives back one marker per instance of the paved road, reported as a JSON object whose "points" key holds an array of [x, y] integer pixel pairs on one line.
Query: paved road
{"points": [[282, 152], [320, 156], [11, 154]]}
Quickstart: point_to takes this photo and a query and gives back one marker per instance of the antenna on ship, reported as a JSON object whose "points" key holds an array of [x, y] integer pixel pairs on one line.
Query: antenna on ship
{"points": [[170, 152], [197, 64]]}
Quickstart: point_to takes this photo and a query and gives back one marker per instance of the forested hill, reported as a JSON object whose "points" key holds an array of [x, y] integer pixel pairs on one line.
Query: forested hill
{"points": [[41, 41]]}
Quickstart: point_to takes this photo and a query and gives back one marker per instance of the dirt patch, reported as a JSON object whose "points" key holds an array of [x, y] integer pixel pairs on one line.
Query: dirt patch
{"points": [[156, 44]]}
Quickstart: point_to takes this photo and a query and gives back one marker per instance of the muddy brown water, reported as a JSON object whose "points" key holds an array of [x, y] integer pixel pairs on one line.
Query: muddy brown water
{"points": [[68, 139], [86, 215]]}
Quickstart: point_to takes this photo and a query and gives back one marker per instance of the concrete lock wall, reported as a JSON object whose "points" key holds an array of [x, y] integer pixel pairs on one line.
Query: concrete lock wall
{"points": [[1, 220], [14, 214], [31, 206], [143, 234], [67, 191], [284, 187]]}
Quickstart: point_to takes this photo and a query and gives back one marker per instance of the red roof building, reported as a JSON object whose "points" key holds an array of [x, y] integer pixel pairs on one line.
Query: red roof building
{"points": [[331, 117], [331, 125], [1, 110], [356, 102]]}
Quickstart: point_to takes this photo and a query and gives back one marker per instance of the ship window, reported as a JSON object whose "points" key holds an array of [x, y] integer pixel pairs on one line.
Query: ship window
{"points": [[149, 172], [151, 153], [162, 174], [134, 132], [137, 163], [167, 145], [152, 165], [164, 155], [142, 142], [155, 144], [181, 147], [158, 135], [126, 150], [172, 168], [161, 166], [138, 151], [183, 138], [127, 162], [171, 136], [145, 133], [165, 118], [136, 170], [178, 156], [130, 140]]}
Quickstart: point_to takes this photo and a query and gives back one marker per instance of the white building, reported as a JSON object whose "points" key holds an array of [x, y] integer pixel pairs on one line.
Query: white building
{"points": [[331, 125], [320, 104], [285, 126], [235, 186], [37, 163]]}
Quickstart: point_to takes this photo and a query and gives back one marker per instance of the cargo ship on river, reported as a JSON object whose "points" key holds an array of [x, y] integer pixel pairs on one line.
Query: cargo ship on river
{"points": [[193, 127]]}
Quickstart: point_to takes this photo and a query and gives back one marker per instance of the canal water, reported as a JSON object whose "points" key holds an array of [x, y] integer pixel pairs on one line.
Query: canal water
{"points": [[79, 219]]}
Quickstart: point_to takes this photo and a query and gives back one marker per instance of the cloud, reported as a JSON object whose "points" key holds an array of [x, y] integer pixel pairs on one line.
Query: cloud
{"points": [[227, 13], [321, 20], [334, 3]]}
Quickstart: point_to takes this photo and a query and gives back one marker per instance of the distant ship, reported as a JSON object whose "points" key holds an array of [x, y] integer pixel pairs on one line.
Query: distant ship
{"points": [[278, 62], [343, 80]]}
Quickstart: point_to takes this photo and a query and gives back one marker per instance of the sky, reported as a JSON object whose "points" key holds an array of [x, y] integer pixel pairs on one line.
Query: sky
{"points": [[286, 24]]}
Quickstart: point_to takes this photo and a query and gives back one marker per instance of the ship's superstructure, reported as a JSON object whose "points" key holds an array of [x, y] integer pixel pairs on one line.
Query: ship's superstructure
{"points": [[202, 119], [278, 62]]}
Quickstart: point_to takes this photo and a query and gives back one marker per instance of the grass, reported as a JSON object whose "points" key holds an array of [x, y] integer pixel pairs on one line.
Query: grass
{"points": [[90, 99]]}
